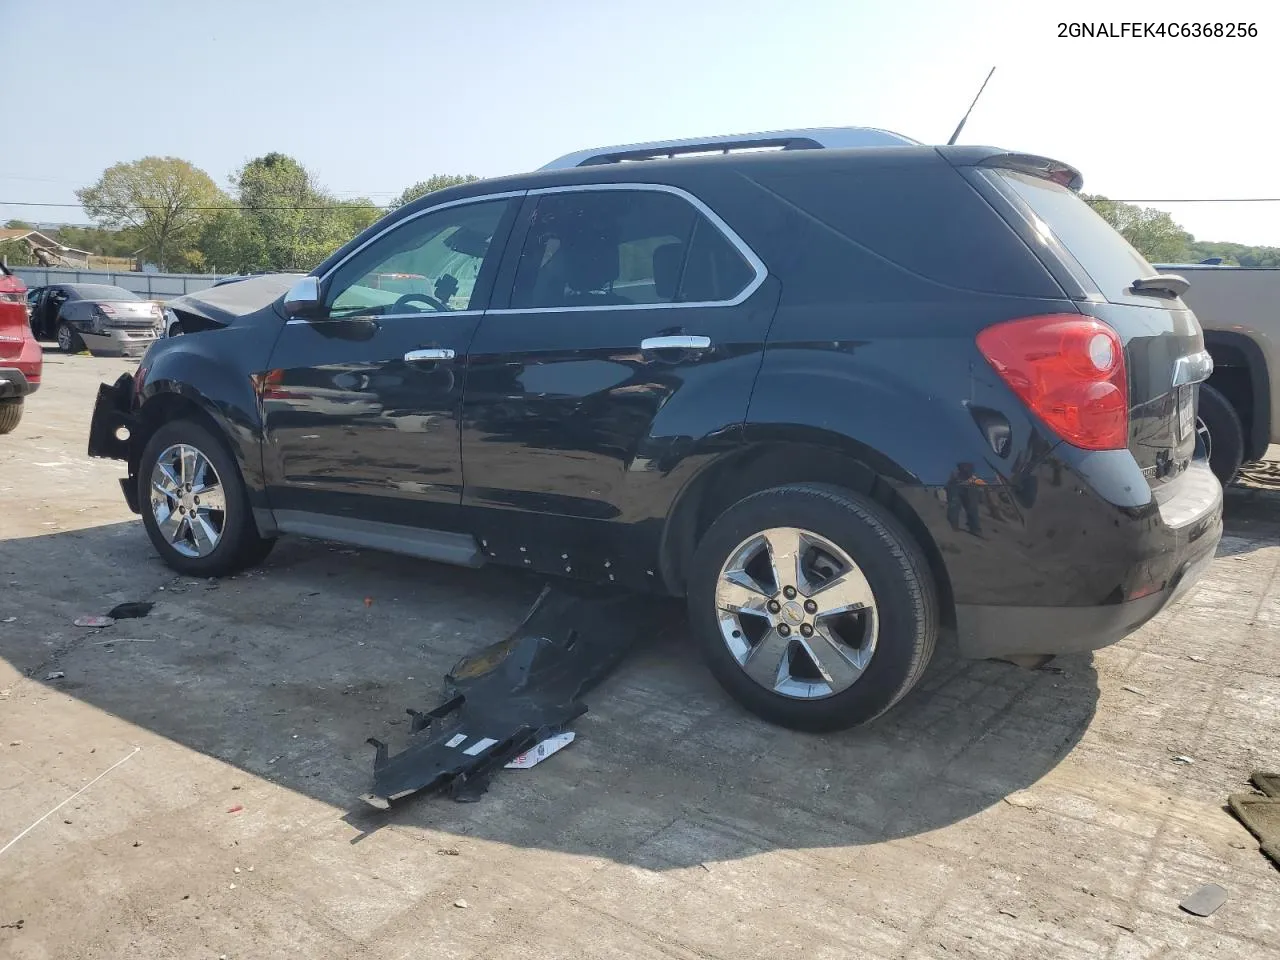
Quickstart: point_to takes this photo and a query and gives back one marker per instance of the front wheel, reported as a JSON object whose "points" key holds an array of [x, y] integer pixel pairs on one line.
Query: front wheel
{"points": [[68, 340], [813, 607], [194, 503]]}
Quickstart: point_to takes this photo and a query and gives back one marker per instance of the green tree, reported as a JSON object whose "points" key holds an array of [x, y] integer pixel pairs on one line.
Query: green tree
{"points": [[430, 185], [1153, 233], [357, 215], [231, 243], [164, 198], [296, 222], [16, 253], [19, 225]]}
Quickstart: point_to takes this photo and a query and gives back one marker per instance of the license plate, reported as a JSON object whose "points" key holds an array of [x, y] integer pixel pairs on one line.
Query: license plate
{"points": [[1186, 411]]}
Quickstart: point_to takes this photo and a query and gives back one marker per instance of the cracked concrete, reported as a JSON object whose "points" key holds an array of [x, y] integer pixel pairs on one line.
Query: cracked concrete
{"points": [[995, 813]]}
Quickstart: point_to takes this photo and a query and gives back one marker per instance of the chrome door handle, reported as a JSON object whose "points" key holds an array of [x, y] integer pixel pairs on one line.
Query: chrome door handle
{"points": [[435, 353], [676, 343]]}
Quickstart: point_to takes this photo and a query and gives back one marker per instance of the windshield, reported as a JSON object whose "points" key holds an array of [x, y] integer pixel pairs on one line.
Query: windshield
{"points": [[100, 291]]}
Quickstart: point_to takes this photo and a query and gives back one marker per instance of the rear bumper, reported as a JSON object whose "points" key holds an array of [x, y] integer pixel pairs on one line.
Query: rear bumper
{"points": [[989, 631], [1051, 564], [115, 342], [14, 383]]}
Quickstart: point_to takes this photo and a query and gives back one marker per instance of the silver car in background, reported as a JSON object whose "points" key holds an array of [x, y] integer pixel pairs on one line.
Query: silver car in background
{"points": [[107, 320]]}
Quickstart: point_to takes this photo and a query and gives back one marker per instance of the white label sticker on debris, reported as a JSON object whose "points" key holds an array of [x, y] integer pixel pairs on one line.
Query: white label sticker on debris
{"points": [[543, 750], [455, 740], [480, 746]]}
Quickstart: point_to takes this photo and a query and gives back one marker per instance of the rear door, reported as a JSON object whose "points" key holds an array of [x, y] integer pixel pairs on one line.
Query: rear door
{"points": [[361, 405], [632, 330], [1161, 336]]}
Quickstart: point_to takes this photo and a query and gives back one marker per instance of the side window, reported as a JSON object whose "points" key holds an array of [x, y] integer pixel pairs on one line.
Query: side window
{"points": [[624, 247], [427, 265]]}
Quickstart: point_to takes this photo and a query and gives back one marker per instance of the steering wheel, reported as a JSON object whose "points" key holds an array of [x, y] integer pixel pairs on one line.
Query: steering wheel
{"points": [[409, 297]]}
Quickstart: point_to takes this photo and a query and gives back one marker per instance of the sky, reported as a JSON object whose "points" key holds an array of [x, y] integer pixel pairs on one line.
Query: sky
{"points": [[377, 95]]}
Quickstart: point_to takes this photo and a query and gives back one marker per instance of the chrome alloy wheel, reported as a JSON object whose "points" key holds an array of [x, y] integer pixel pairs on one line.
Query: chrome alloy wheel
{"points": [[796, 613], [187, 500]]}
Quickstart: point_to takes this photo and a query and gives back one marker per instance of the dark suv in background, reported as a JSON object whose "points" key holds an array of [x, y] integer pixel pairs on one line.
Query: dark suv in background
{"points": [[837, 398]]}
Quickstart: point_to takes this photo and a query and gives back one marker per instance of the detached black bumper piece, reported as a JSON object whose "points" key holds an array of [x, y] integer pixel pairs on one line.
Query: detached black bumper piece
{"points": [[112, 411], [513, 694]]}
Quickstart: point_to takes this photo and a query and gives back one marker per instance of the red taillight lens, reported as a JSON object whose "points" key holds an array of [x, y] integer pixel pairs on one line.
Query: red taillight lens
{"points": [[107, 309], [1069, 369]]}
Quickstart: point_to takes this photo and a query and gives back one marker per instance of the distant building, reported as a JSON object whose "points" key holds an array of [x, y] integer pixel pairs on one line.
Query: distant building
{"points": [[46, 251]]}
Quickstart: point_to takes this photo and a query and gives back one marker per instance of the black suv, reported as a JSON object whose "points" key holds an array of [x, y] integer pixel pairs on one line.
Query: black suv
{"points": [[837, 398]]}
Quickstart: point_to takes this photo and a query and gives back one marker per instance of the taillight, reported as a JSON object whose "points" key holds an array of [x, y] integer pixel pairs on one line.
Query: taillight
{"points": [[1069, 369], [106, 309]]}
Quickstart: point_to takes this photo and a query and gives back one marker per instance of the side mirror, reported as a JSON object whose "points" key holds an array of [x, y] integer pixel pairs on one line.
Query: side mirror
{"points": [[303, 299]]}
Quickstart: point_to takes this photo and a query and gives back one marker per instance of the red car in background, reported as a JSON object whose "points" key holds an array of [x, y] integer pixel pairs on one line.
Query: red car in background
{"points": [[21, 358]]}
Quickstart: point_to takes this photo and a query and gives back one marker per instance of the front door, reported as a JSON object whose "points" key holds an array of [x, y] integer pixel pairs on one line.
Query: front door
{"points": [[633, 331], [361, 406]]}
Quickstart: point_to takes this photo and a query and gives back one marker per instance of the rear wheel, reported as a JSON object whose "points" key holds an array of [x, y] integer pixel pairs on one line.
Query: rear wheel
{"points": [[194, 503], [1222, 432], [10, 415], [814, 608], [68, 340]]}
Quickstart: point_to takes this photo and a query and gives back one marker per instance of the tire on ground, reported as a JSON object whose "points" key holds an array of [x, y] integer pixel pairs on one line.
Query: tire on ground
{"points": [[241, 546], [1226, 434], [895, 567], [10, 415]]}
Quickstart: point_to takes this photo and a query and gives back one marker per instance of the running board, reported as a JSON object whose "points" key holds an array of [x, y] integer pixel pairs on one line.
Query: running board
{"points": [[459, 549]]}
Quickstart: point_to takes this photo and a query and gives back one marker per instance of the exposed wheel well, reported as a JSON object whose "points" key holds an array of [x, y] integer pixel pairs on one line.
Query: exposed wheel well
{"points": [[774, 465], [1239, 374], [160, 410]]}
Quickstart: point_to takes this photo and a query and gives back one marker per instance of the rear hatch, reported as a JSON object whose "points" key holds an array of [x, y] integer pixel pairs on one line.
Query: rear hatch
{"points": [[1100, 269], [130, 314]]}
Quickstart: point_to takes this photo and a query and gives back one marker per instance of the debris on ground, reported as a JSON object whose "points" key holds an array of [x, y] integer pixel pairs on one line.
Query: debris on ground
{"points": [[460, 904], [55, 675], [539, 753], [236, 809], [448, 852], [1184, 760], [512, 695], [96, 622], [1260, 812], [130, 610], [9, 620], [1141, 693], [1205, 901]]}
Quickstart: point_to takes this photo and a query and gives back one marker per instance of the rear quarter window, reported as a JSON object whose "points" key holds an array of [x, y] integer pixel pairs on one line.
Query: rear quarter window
{"points": [[1061, 217], [926, 219]]}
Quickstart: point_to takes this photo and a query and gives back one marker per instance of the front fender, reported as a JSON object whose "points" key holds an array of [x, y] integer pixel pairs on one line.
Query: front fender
{"points": [[215, 372]]}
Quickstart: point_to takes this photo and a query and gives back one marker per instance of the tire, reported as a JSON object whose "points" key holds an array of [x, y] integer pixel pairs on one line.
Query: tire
{"points": [[237, 545], [1223, 432], [68, 340], [905, 611], [10, 415]]}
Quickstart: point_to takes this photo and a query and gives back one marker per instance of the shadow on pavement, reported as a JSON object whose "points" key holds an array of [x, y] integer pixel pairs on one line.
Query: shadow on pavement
{"points": [[285, 671]]}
